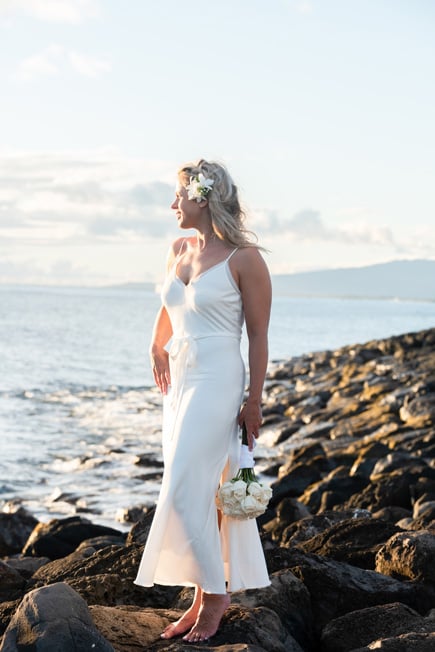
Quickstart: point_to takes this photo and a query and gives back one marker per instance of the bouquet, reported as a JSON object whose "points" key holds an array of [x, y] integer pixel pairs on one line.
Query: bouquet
{"points": [[243, 497]]}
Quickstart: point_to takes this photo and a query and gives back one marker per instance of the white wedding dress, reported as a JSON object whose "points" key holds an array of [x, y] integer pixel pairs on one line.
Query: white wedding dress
{"points": [[201, 442]]}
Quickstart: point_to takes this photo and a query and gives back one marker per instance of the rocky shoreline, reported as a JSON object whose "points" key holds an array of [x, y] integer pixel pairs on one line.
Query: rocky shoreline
{"points": [[349, 536]]}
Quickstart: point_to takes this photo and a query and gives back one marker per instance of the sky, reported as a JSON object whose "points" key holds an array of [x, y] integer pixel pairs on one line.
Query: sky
{"points": [[322, 110]]}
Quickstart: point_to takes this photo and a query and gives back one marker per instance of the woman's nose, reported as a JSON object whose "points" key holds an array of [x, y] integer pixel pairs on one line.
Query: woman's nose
{"points": [[174, 204]]}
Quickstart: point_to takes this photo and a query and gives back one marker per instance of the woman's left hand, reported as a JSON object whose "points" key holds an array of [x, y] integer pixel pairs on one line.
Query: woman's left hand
{"points": [[251, 416]]}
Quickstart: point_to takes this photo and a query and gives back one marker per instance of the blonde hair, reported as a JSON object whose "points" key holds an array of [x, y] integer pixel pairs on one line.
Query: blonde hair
{"points": [[227, 215]]}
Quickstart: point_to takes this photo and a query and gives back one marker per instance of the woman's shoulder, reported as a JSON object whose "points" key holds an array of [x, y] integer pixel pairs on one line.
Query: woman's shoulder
{"points": [[176, 248], [247, 256], [248, 266]]}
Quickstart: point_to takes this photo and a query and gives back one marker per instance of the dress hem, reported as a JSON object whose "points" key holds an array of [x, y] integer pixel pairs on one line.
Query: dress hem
{"points": [[192, 584]]}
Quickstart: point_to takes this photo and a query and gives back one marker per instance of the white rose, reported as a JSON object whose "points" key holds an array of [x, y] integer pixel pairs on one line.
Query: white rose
{"points": [[239, 489], [252, 507], [255, 489], [265, 495], [231, 502], [232, 509], [226, 490]]}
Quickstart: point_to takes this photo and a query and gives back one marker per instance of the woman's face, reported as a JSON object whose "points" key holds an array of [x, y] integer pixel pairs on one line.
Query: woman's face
{"points": [[186, 210]]}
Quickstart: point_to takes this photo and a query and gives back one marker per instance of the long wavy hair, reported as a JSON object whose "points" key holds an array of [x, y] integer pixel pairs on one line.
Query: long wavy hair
{"points": [[227, 215]]}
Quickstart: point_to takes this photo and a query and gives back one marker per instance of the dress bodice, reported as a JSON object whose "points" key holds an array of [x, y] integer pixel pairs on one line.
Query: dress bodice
{"points": [[210, 304]]}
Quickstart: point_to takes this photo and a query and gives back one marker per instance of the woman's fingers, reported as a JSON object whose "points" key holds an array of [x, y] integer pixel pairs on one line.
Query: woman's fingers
{"points": [[161, 373], [252, 420]]}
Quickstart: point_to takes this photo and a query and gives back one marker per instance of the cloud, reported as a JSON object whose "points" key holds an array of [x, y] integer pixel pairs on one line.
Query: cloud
{"points": [[304, 7], [308, 225], [54, 59], [88, 66], [41, 64], [100, 201], [58, 11], [52, 199]]}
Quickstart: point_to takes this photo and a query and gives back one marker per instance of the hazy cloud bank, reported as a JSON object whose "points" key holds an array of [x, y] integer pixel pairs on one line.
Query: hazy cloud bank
{"points": [[100, 196], [57, 11], [54, 59], [309, 226], [97, 197]]}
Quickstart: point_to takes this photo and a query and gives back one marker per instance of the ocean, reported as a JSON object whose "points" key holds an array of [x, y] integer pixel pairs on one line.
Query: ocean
{"points": [[79, 416]]}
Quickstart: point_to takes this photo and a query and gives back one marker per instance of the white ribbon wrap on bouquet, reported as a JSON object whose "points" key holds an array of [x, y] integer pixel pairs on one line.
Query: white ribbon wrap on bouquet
{"points": [[246, 457]]}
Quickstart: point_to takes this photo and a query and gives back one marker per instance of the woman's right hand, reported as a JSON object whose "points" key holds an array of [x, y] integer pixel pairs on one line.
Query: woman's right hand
{"points": [[160, 366]]}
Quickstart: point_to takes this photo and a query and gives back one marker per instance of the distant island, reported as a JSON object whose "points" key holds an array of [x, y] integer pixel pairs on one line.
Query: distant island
{"points": [[399, 279]]}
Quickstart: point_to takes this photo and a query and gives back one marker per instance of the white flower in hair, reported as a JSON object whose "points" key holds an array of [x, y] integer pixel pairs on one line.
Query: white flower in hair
{"points": [[199, 187]]}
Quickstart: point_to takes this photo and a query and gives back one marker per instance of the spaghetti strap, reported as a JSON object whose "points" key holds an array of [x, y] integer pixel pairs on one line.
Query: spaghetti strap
{"points": [[180, 251], [231, 254], [173, 267]]}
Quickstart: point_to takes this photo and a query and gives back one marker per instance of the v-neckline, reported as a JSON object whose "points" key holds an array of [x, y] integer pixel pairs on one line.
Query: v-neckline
{"points": [[195, 278]]}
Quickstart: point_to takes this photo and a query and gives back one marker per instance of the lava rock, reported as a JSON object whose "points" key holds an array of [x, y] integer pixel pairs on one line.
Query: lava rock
{"points": [[408, 555], [355, 541], [15, 528], [59, 537], [364, 626], [53, 618]]}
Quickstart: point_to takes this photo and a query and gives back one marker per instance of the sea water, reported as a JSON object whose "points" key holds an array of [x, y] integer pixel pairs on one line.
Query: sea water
{"points": [[78, 409]]}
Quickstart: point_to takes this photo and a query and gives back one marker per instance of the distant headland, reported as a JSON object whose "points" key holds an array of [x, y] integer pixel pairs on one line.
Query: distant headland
{"points": [[399, 279]]}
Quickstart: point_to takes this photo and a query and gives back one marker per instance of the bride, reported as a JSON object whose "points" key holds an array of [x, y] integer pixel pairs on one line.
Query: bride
{"points": [[216, 280]]}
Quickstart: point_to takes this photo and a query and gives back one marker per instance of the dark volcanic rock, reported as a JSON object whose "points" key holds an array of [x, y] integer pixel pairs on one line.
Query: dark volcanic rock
{"points": [[338, 486], [367, 458], [11, 583], [132, 629], [419, 411], [60, 537], [310, 526], [26, 566], [288, 511], [392, 514], [402, 643], [98, 543], [354, 436], [355, 541], [294, 483], [105, 577], [53, 618], [139, 531], [337, 588], [15, 528], [364, 626], [408, 555], [389, 490], [289, 598], [7, 610], [398, 460], [257, 626]]}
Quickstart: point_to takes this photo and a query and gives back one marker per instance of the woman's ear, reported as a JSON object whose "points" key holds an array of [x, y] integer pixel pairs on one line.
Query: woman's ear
{"points": [[203, 203]]}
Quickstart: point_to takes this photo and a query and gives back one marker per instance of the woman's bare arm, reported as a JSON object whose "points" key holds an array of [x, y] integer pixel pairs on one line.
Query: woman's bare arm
{"points": [[255, 287], [162, 333]]}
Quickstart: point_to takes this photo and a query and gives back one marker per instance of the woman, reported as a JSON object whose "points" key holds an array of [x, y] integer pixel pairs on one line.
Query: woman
{"points": [[215, 280]]}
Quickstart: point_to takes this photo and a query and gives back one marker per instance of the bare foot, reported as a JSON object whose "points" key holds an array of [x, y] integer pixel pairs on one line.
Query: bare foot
{"points": [[186, 621], [213, 607]]}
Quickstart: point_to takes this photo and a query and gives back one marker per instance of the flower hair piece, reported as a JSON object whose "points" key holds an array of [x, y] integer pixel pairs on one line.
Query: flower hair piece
{"points": [[199, 187]]}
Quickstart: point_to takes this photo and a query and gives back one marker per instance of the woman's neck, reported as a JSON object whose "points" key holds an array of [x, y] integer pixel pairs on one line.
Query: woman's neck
{"points": [[205, 238]]}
